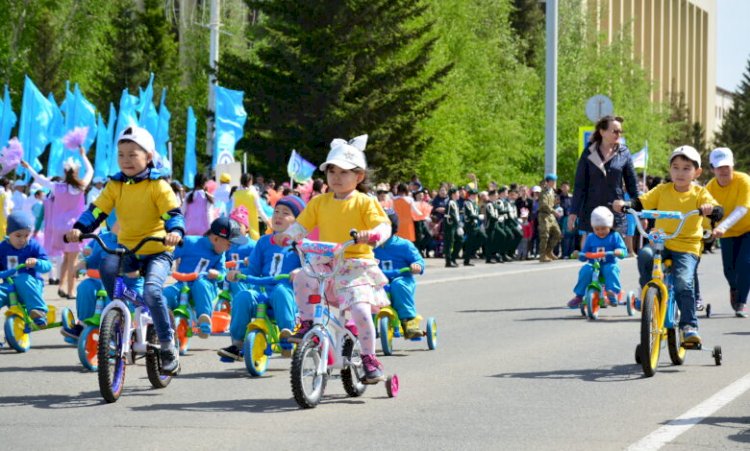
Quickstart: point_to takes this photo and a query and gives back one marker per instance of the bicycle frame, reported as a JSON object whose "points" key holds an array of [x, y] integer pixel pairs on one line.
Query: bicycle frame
{"points": [[138, 323]]}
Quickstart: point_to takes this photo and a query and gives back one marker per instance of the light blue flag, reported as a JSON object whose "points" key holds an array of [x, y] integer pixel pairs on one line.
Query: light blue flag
{"points": [[229, 122], [299, 169], [7, 118], [56, 132], [103, 143], [162, 132], [148, 118], [36, 116], [191, 164], [125, 119]]}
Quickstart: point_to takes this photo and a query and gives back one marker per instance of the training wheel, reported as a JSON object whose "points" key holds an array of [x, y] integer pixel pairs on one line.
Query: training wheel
{"points": [[638, 354], [391, 386], [717, 355], [708, 310]]}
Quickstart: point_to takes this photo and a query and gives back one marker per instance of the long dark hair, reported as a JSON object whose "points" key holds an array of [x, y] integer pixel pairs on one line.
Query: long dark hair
{"points": [[199, 182], [71, 178], [602, 125]]}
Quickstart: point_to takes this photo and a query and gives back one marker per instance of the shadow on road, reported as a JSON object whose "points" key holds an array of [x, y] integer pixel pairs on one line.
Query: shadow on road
{"points": [[245, 405], [740, 424], [83, 399], [501, 310], [617, 373], [45, 369], [601, 320]]}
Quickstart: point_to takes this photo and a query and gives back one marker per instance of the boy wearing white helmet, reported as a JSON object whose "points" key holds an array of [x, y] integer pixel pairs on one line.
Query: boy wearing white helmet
{"points": [[682, 195], [604, 239]]}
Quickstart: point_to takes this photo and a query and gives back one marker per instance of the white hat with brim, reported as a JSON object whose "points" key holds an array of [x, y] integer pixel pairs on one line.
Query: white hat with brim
{"points": [[347, 155], [536, 189], [721, 156], [140, 136], [688, 152]]}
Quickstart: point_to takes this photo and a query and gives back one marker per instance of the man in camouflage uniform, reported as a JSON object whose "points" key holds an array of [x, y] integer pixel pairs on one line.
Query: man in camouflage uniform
{"points": [[475, 237], [549, 230]]}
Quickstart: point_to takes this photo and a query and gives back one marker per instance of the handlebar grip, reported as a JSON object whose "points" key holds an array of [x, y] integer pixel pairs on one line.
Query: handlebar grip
{"points": [[374, 238]]}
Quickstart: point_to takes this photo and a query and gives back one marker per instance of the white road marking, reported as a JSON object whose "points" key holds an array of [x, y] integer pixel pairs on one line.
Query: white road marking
{"points": [[559, 265], [681, 424]]}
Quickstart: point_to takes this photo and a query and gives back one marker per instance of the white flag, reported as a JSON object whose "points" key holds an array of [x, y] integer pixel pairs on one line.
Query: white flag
{"points": [[640, 159]]}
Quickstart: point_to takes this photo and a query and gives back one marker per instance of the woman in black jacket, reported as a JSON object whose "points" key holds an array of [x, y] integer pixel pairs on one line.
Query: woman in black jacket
{"points": [[604, 168]]}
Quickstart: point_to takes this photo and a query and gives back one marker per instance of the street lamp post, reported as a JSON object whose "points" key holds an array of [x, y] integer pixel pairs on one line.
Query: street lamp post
{"points": [[550, 135]]}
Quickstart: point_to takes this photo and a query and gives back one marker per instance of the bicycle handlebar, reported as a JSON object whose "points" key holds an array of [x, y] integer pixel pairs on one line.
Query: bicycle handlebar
{"points": [[325, 249], [9, 272], [264, 281], [123, 250], [658, 214]]}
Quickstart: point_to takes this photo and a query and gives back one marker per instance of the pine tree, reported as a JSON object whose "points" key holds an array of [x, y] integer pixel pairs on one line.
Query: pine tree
{"points": [[735, 130], [331, 69], [527, 21]]}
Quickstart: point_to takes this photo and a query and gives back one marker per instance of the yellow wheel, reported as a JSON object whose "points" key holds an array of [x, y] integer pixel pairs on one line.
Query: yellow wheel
{"points": [[650, 331], [17, 334], [256, 350]]}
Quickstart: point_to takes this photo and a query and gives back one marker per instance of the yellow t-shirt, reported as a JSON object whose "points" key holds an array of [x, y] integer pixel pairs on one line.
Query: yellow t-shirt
{"points": [[664, 197], [140, 207], [336, 217], [247, 198], [736, 194]]}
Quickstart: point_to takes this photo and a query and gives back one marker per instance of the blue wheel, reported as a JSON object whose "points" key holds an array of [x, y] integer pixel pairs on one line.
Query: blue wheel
{"points": [[432, 335], [254, 349], [386, 335], [592, 303], [111, 361], [68, 319], [88, 346], [16, 333]]}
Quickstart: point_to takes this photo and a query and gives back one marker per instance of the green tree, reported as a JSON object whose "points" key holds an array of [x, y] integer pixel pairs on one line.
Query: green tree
{"points": [[337, 69], [527, 21], [735, 130]]}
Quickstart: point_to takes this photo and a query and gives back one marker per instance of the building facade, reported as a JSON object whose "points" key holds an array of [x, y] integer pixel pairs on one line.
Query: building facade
{"points": [[675, 41]]}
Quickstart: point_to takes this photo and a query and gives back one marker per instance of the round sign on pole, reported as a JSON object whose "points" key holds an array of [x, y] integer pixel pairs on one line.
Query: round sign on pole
{"points": [[599, 106]]}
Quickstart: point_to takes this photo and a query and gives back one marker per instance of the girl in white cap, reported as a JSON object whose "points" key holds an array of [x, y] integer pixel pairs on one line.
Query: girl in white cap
{"points": [[359, 286]]}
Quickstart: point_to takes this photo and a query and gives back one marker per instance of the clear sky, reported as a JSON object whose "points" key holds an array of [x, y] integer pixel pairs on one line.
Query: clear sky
{"points": [[733, 42]]}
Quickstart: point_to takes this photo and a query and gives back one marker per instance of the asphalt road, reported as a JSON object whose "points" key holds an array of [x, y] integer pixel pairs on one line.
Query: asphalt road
{"points": [[513, 370]]}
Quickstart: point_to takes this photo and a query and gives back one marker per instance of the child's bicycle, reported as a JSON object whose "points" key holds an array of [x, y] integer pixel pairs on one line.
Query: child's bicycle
{"points": [[659, 312], [262, 336], [224, 299], [186, 324], [596, 295], [389, 325], [18, 323], [88, 341], [124, 339], [332, 342]]}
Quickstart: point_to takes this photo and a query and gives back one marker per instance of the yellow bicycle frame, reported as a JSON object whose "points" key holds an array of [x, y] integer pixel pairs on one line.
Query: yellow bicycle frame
{"points": [[657, 279]]}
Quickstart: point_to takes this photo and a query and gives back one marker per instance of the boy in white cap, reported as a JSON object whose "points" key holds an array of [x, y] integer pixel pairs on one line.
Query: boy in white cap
{"points": [[19, 196], [732, 190], [685, 249], [146, 206], [604, 239]]}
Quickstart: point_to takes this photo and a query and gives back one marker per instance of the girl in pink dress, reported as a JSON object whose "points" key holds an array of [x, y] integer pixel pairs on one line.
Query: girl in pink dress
{"points": [[197, 207], [67, 202]]}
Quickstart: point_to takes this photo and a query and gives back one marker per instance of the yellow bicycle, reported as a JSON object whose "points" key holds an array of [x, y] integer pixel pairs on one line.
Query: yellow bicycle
{"points": [[659, 312]]}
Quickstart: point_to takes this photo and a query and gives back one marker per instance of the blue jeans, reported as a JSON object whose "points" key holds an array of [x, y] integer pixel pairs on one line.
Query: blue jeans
{"points": [[735, 255], [683, 274], [157, 269]]}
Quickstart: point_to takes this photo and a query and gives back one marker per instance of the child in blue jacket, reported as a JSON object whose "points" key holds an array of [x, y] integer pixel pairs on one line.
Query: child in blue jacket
{"points": [[20, 248], [267, 259], [242, 248], [203, 255], [603, 239], [394, 254]]}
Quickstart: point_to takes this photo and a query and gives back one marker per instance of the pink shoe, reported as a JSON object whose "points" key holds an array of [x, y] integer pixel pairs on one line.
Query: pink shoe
{"points": [[373, 369]]}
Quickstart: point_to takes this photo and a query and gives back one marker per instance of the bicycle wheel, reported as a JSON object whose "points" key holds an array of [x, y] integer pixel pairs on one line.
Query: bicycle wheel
{"points": [[674, 343], [386, 335], [16, 333], [307, 385], [650, 332], [182, 333], [88, 348], [254, 349], [630, 303], [110, 357], [592, 303], [351, 374], [432, 335], [153, 360]]}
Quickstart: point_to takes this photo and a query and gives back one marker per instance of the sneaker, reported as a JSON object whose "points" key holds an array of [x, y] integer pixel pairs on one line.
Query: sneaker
{"points": [[733, 299], [690, 335], [232, 352], [741, 310], [304, 327], [73, 333], [170, 361], [204, 326], [373, 369], [39, 317], [699, 304], [411, 328], [612, 298], [575, 302]]}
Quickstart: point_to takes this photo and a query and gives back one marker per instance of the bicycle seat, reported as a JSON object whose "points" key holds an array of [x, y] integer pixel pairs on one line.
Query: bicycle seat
{"points": [[93, 273], [185, 277]]}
